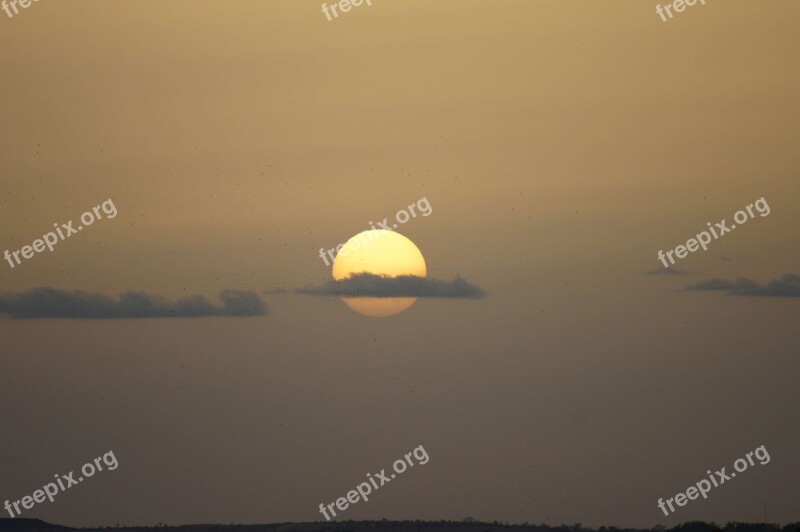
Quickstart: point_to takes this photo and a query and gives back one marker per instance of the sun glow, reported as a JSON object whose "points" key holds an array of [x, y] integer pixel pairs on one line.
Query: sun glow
{"points": [[379, 252]]}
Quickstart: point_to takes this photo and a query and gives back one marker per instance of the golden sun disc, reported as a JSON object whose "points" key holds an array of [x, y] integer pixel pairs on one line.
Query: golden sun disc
{"points": [[384, 253]]}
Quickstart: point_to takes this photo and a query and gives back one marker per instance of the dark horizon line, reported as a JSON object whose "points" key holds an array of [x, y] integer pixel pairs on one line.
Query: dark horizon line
{"points": [[20, 523]]}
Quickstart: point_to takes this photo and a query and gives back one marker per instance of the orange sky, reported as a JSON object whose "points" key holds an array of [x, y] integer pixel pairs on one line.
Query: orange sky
{"points": [[561, 145]]}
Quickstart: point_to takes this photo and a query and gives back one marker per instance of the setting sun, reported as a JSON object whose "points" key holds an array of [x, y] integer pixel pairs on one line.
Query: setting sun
{"points": [[384, 253]]}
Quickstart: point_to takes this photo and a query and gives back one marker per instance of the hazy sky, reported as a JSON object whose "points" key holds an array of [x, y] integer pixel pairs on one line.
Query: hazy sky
{"points": [[560, 144]]}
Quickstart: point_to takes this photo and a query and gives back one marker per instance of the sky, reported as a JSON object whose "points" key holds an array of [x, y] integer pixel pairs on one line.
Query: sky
{"points": [[560, 146]]}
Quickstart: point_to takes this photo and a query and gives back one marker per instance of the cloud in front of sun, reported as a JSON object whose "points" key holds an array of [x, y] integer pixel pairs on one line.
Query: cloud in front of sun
{"points": [[381, 273], [383, 253]]}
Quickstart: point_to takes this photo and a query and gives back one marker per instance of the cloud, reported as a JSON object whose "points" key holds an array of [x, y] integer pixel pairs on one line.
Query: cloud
{"points": [[786, 286], [370, 285], [48, 302], [668, 271]]}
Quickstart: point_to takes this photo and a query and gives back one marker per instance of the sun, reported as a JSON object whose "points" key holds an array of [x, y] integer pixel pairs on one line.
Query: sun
{"points": [[379, 252]]}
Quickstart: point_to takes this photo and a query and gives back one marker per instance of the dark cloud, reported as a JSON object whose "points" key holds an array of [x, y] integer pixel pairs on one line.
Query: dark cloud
{"points": [[668, 271], [370, 285], [786, 286], [51, 303]]}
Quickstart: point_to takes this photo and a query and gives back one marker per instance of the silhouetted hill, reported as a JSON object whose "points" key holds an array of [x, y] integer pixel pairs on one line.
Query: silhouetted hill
{"points": [[467, 525], [30, 524]]}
